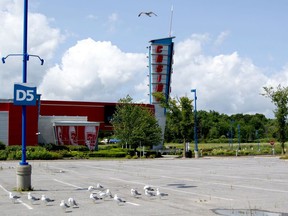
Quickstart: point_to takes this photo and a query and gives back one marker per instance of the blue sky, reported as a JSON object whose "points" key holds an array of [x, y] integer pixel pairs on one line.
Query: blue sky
{"points": [[96, 50], [255, 29]]}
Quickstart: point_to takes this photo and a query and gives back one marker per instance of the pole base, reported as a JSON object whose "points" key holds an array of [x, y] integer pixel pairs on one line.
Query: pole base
{"points": [[196, 154], [24, 177]]}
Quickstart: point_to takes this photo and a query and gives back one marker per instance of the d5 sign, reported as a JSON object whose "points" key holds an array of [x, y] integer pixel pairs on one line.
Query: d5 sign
{"points": [[24, 95]]}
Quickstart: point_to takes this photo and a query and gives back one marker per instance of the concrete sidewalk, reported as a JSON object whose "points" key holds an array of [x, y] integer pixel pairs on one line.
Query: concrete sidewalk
{"points": [[194, 186]]}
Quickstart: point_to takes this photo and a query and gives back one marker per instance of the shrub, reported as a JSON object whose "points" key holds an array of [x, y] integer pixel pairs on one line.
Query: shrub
{"points": [[2, 146], [3, 155]]}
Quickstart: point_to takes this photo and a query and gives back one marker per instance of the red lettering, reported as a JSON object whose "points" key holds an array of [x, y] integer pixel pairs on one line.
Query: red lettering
{"points": [[159, 78], [159, 49], [159, 68], [159, 87], [159, 58]]}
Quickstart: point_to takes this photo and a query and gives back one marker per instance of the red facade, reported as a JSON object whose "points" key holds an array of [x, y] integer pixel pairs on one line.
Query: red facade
{"points": [[15, 123], [95, 112]]}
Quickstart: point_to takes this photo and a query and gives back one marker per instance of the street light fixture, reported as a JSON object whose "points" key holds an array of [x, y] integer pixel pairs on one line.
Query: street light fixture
{"points": [[24, 169], [27, 57], [195, 124]]}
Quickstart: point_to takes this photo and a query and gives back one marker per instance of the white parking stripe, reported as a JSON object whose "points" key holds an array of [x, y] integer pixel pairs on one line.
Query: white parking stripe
{"points": [[66, 183], [19, 200], [178, 191]]}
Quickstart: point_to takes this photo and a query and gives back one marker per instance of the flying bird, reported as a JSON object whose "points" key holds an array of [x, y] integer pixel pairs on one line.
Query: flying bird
{"points": [[32, 198], [64, 206], [46, 200], [135, 193], [13, 198], [147, 14], [72, 202]]}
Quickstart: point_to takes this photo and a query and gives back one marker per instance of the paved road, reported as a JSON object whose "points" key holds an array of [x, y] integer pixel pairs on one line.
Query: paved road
{"points": [[195, 186]]}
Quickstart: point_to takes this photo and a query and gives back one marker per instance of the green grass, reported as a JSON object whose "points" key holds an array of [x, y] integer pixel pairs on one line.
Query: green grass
{"points": [[224, 149]]}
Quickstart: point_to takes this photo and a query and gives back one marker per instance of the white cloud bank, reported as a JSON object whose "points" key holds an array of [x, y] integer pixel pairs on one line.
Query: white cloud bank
{"points": [[225, 83], [100, 71], [95, 71]]}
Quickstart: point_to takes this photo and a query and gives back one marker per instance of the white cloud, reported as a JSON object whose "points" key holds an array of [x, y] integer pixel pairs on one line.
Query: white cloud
{"points": [[92, 17], [221, 38], [225, 83], [97, 71], [100, 71], [113, 20], [113, 17], [42, 41]]}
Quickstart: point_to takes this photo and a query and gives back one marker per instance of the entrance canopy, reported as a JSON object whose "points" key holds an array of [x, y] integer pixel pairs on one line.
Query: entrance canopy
{"points": [[76, 133]]}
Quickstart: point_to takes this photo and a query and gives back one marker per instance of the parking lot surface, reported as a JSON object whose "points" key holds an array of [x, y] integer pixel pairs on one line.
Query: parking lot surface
{"points": [[199, 187]]}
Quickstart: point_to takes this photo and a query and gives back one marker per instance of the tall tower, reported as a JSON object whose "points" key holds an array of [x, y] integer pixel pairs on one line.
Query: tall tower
{"points": [[160, 70]]}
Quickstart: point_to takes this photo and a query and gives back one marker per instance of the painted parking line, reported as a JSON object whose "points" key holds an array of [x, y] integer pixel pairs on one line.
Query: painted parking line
{"points": [[66, 183], [19, 200], [229, 185], [75, 186], [175, 190]]}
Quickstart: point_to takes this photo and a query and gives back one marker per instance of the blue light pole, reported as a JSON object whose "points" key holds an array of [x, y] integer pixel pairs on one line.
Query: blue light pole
{"points": [[195, 124], [24, 170]]}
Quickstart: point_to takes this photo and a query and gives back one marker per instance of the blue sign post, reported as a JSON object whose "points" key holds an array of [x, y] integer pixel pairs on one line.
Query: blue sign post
{"points": [[24, 95]]}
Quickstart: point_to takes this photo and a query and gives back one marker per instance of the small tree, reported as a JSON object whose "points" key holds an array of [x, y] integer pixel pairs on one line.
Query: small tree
{"points": [[280, 98], [179, 116], [135, 124]]}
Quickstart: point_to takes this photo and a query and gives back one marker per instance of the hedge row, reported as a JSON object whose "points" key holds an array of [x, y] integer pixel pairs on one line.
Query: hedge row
{"points": [[54, 152]]}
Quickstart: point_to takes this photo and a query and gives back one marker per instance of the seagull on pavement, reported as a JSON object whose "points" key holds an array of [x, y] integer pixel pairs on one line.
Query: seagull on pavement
{"points": [[135, 193], [90, 188], [14, 198], [46, 200], [119, 200], [160, 194], [95, 198], [148, 187], [99, 186], [64, 206], [72, 202], [149, 193], [32, 198], [105, 194], [147, 14]]}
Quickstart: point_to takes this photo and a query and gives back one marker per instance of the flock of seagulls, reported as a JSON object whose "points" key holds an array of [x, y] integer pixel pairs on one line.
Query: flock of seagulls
{"points": [[97, 194]]}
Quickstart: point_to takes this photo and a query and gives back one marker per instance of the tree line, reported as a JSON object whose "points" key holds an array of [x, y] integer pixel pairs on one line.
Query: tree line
{"points": [[136, 125], [213, 127]]}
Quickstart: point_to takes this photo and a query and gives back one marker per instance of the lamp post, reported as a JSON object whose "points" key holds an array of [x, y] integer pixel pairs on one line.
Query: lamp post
{"points": [[195, 124], [24, 169]]}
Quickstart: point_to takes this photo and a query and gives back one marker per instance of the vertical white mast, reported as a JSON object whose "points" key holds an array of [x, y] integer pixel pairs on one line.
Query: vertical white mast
{"points": [[171, 19]]}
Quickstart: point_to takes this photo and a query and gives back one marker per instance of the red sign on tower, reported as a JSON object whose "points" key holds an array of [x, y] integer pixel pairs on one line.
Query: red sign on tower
{"points": [[161, 54]]}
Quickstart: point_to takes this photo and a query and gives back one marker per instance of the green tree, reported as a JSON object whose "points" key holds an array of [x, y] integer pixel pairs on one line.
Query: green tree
{"points": [[179, 116], [135, 124], [279, 97]]}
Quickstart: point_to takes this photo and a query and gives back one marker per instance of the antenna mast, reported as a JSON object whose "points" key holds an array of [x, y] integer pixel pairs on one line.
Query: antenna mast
{"points": [[171, 19]]}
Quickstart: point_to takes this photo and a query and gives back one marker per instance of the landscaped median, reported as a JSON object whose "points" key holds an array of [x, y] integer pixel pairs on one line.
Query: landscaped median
{"points": [[54, 152]]}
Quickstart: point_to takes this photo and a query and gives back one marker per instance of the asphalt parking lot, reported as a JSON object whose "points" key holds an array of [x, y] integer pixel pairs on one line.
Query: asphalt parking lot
{"points": [[204, 186]]}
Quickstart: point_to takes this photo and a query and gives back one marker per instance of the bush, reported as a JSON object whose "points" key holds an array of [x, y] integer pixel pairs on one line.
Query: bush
{"points": [[54, 147], [3, 155], [2, 146]]}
